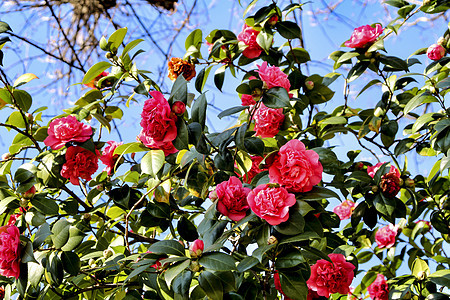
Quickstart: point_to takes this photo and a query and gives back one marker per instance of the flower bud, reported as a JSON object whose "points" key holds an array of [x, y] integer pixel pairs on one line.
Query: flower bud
{"points": [[6, 156], [195, 266], [108, 253], [213, 195], [100, 187], [272, 240], [178, 108], [92, 263], [410, 183], [273, 20], [29, 117], [23, 203], [30, 193], [359, 166], [421, 275], [309, 85], [196, 248], [109, 55], [374, 189], [435, 52]]}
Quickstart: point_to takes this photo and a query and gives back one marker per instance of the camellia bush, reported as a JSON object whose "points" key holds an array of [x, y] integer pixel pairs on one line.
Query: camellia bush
{"points": [[245, 213]]}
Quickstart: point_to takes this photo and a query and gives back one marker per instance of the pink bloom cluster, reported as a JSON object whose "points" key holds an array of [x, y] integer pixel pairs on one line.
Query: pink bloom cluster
{"points": [[331, 277], [108, 158], [296, 168], [364, 36], [80, 163], [248, 37], [271, 203], [232, 199], [273, 76], [345, 209], [435, 52], [268, 121], [385, 236], [66, 129], [10, 249], [379, 289], [158, 124]]}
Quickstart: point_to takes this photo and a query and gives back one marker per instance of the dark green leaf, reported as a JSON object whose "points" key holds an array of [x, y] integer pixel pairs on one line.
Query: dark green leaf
{"points": [[168, 247], [231, 111], [60, 233], [211, 284], [187, 229], [276, 97], [217, 261], [71, 262], [289, 30]]}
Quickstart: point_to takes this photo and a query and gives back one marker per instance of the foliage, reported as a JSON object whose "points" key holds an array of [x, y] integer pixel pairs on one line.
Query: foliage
{"points": [[126, 235]]}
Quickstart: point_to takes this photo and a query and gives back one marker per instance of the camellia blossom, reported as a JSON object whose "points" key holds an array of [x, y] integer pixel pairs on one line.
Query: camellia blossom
{"points": [[248, 37], [67, 129], [373, 170], [390, 184], [80, 163], [364, 36], [385, 236], [10, 249], [345, 209], [273, 76], [271, 203], [435, 52], [158, 123], [379, 289], [331, 277], [232, 199], [247, 100], [296, 168], [108, 158], [13, 219], [268, 121]]}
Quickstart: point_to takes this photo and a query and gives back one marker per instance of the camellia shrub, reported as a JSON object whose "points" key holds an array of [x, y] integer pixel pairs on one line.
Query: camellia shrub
{"points": [[245, 213]]}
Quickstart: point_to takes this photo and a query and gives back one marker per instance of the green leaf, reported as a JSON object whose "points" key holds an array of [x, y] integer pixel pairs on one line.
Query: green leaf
{"points": [[46, 206], [187, 229], [42, 233], [173, 271], [260, 251], [219, 77], [152, 162], [289, 30], [130, 148], [94, 71], [290, 259], [60, 233], [384, 205], [346, 57], [421, 121], [217, 261], [294, 285], [27, 253], [130, 46], [201, 78], [211, 284], [247, 263], [194, 39], [168, 247], [309, 235], [159, 209], [394, 63], [318, 193], [198, 112], [182, 282], [441, 277], [231, 111], [23, 99], [116, 39], [298, 55], [182, 140], [71, 262], [4, 27], [265, 40], [294, 225], [76, 236], [25, 78], [276, 97]]}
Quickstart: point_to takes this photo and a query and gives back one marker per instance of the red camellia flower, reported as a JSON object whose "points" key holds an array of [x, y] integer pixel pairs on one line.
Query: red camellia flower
{"points": [[435, 52], [271, 203], [196, 248], [273, 76], [10, 251], [66, 129], [232, 199], [178, 108], [331, 277], [268, 121], [364, 36], [158, 124], [296, 168], [30, 193], [390, 184], [108, 158], [248, 37], [13, 219], [373, 170], [379, 289], [247, 100], [385, 237], [254, 170], [80, 163], [345, 209]]}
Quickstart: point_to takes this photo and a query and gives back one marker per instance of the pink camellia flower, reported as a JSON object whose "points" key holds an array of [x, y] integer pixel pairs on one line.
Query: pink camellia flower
{"points": [[248, 37], [364, 36], [247, 100], [108, 158], [254, 170], [158, 122], [30, 193], [273, 76], [268, 121], [13, 219], [379, 289], [271, 203], [345, 209], [435, 52], [178, 108], [67, 129], [10, 251], [373, 170], [232, 199], [80, 163], [196, 248], [385, 236], [168, 147], [296, 168], [331, 277]]}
